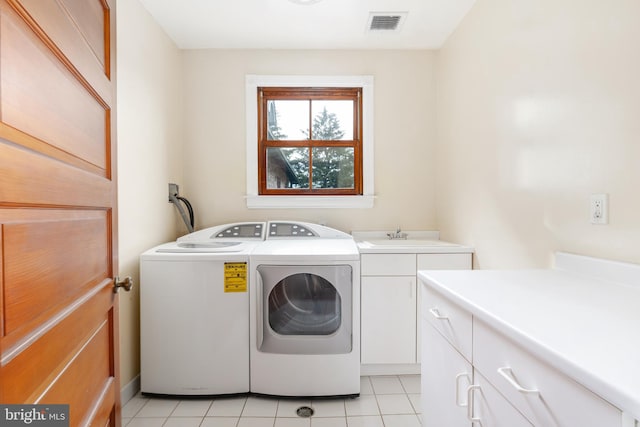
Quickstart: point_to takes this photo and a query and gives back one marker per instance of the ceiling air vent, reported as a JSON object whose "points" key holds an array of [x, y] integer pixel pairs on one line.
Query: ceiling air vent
{"points": [[386, 21]]}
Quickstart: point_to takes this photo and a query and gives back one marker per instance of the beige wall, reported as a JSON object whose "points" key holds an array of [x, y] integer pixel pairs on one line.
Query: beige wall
{"points": [[215, 144], [539, 107], [149, 155]]}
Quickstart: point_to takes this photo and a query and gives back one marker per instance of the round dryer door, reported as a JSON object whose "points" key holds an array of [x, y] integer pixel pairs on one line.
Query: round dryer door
{"points": [[305, 309]]}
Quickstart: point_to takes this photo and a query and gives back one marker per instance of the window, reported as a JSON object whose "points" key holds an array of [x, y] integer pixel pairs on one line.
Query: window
{"points": [[290, 153], [309, 140]]}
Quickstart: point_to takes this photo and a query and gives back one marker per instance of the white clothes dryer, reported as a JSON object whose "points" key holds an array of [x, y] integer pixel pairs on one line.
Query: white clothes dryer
{"points": [[305, 312], [194, 312]]}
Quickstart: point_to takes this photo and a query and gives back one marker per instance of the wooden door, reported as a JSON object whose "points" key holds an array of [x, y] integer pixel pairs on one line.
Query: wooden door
{"points": [[58, 257]]}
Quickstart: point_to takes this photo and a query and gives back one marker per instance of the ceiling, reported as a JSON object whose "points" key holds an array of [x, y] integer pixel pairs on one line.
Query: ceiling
{"points": [[322, 24]]}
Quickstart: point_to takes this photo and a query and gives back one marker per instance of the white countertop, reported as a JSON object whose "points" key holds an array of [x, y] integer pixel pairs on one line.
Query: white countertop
{"points": [[585, 326], [417, 242]]}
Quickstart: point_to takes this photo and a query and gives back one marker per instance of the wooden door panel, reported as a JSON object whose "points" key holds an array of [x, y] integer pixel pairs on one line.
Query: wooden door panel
{"points": [[55, 345], [36, 82], [79, 30], [34, 285], [91, 368], [89, 16], [69, 363], [58, 228], [31, 177]]}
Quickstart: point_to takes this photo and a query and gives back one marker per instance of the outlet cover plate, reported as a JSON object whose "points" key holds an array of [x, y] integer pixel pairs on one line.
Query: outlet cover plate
{"points": [[599, 209]]}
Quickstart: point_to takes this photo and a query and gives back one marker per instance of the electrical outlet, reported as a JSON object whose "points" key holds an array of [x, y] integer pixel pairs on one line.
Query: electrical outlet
{"points": [[173, 190], [599, 209]]}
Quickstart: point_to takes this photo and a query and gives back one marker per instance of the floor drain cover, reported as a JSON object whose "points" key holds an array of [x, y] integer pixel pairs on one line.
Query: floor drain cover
{"points": [[304, 411]]}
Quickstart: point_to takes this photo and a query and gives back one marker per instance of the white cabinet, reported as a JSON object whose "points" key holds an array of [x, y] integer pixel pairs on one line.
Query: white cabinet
{"points": [[455, 261], [489, 409], [444, 261], [543, 394], [388, 264], [388, 309], [388, 320], [453, 323], [390, 312], [453, 393], [446, 375], [505, 385]]}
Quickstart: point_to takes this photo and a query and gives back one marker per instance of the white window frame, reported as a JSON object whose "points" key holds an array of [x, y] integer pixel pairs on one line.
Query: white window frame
{"points": [[256, 201]]}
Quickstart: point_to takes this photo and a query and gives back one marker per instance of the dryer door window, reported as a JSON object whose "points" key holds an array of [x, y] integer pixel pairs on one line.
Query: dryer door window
{"points": [[305, 309], [304, 304]]}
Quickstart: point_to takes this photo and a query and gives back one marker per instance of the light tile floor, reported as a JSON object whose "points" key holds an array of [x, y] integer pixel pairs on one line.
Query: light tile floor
{"points": [[385, 401]]}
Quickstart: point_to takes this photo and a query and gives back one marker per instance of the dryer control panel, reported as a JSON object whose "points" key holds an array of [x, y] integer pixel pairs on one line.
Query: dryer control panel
{"points": [[289, 229]]}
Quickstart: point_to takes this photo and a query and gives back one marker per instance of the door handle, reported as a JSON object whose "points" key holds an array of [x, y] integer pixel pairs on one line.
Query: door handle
{"points": [[507, 374], [126, 283], [436, 313], [471, 404], [458, 377]]}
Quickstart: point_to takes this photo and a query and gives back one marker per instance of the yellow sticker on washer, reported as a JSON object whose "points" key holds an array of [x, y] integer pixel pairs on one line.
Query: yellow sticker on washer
{"points": [[235, 277]]}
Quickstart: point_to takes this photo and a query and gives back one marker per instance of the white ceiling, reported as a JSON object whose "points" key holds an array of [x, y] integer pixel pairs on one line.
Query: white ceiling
{"points": [[327, 24]]}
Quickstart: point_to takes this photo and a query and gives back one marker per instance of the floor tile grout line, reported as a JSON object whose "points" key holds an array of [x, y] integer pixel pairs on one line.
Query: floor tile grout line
{"points": [[368, 382]]}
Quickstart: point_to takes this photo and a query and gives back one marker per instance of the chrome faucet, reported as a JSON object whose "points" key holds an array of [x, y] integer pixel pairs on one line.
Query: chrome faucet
{"points": [[397, 235]]}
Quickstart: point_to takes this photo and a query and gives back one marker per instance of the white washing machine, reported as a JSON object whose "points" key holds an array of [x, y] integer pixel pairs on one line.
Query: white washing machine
{"points": [[194, 312], [305, 312]]}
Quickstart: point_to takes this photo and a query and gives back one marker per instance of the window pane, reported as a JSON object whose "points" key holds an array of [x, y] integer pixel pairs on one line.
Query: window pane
{"points": [[332, 120], [310, 141], [288, 167], [333, 167], [287, 120]]}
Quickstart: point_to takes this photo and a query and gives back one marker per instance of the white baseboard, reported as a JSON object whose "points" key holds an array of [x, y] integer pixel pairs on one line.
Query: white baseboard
{"points": [[130, 390]]}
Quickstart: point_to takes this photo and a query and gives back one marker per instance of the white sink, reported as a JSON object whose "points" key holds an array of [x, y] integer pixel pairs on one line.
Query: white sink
{"points": [[417, 242], [404, 242]]}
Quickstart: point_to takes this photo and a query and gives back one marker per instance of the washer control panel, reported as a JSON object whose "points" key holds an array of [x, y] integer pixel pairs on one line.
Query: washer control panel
{"points": [[289, 229], [245, 230]]}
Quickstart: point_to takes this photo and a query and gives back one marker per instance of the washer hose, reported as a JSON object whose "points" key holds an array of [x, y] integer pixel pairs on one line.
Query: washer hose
{"points": [[188, 221]]}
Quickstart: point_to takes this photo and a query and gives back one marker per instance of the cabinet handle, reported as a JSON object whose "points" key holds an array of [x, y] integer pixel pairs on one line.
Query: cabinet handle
{"points": [[461, 375], [471, 405], [507, 374], [436, 313]]}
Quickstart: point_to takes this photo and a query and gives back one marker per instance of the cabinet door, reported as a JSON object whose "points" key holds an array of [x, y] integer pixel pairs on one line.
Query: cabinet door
{"points": [[450, 320], [438, 262], [444, 261], [543, 394], [388, 313], [445, 378], [489, 408], [388, 264]]}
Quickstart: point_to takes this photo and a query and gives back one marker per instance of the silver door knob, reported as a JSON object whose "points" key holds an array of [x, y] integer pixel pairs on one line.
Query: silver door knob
{"points": [[126, 283]]}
